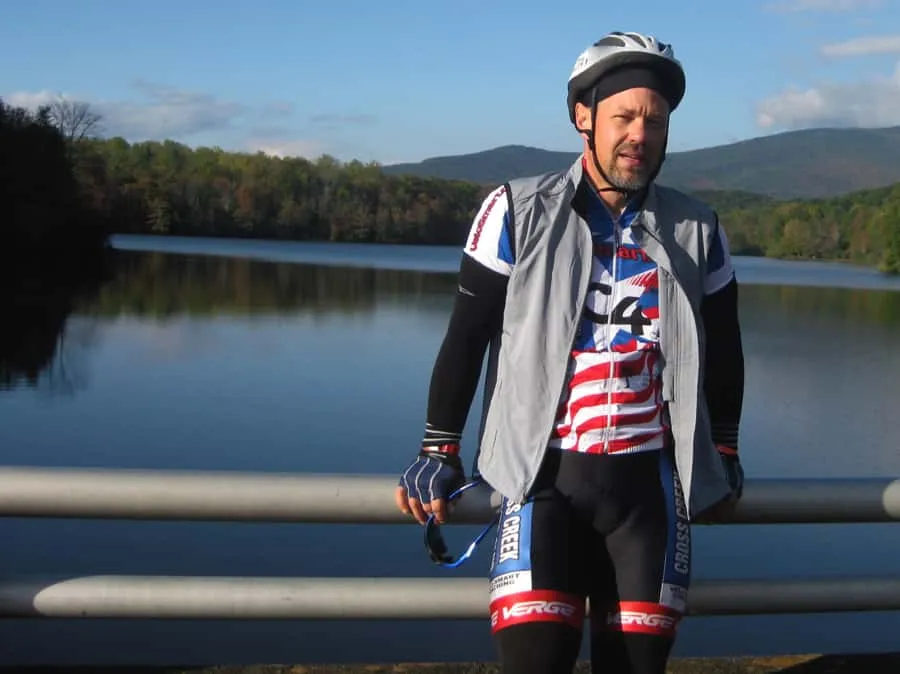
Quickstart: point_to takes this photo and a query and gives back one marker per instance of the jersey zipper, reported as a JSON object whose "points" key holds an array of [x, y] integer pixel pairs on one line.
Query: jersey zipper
{"points": [[609, 337]]}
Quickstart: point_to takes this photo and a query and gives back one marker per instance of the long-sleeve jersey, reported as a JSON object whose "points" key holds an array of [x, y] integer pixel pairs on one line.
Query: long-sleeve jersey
{"points": [[612, 400]]}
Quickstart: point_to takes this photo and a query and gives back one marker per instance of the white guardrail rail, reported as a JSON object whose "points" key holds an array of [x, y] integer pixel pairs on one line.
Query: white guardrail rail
{"points": [[368, 499]]}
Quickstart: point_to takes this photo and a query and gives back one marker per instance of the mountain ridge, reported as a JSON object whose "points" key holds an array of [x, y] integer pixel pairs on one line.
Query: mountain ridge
{"points": [[801, 164]]}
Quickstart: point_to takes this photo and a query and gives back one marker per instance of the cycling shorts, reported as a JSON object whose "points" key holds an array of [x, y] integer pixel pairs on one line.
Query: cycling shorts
{"points": [[608, 527]]}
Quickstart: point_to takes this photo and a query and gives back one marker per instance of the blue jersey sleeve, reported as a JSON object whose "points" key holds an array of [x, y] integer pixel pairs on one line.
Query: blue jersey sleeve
{"points": [[489, 242]]}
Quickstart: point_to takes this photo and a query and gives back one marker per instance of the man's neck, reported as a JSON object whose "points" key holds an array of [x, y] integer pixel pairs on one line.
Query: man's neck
{"points": [[615, 200]]}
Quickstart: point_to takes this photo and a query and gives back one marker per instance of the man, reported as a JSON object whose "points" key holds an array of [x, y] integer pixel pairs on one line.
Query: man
{"points": [[614, 383]]}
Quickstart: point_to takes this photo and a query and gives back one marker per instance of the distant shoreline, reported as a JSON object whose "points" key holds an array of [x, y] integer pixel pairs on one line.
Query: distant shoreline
{"points": [[414, 244]]}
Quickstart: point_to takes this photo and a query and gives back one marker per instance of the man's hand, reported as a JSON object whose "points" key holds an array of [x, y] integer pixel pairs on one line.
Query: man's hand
{"points": [[428, 481], [734, 473]]}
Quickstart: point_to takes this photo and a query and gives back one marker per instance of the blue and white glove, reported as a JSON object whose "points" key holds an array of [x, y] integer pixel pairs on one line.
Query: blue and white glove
{"points": [[434, 474], [734, 472]]}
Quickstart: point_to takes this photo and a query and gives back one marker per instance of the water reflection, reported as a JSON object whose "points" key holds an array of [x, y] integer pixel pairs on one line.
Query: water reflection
{"points": [[44, 340], [41, 346], [162, 285], [836, 305], [45, 336]]}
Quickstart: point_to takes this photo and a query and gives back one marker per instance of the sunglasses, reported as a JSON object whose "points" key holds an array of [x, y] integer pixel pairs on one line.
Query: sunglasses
{"points": [[434, 541]]}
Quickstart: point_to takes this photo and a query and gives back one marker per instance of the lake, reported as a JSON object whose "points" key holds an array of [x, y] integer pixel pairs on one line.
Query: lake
{"points": [[316, 357]]}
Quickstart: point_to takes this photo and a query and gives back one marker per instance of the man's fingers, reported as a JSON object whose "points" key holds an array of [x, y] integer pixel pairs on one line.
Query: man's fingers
{"points": [[400, 500], [438, 506], [409, 506], [417, 511]]}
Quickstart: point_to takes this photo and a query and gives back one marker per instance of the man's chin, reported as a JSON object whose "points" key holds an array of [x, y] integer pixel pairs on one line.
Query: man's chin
{"points": [[632, 178], [631, 182]]}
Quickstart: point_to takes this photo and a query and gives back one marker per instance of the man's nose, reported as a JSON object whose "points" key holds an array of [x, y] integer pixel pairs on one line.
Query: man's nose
{"points": [[637, 131]]}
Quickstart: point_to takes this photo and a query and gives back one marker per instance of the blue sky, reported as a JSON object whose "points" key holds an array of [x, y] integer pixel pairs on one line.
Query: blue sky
{"points": [[397, 80]]}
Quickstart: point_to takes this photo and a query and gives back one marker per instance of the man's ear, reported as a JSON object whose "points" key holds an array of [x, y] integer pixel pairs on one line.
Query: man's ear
{"points": [[583, 122]]}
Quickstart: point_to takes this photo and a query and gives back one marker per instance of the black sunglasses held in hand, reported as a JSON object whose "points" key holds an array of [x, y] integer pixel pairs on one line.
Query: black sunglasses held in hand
{"points": [[434, 541]]}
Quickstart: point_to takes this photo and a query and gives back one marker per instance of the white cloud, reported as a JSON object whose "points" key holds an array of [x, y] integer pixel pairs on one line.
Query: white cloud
{"points": [[863, 46], [168, 112], [164, 112], [871, 103], [824, 5], [308, 149], [278, 109], [30, 100], [335, 120], [161, 112]]}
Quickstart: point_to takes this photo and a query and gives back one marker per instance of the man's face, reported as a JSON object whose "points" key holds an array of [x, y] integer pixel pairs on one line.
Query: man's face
{"points": [[629, 134]]}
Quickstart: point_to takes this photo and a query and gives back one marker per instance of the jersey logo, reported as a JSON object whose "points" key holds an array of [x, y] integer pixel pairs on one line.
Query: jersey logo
{"points": [[629, 323], [628, 311], [479, 227]]}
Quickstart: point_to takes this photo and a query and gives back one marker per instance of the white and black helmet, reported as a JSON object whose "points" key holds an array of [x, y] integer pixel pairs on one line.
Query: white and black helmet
{"points": [[618, 49]]}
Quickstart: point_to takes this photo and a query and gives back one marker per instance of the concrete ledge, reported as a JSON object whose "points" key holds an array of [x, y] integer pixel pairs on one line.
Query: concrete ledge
{"points": [[888, 663]]}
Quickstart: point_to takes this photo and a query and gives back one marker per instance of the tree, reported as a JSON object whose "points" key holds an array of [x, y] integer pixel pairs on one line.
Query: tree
{"points": [[891, 260], [51, 213], [74, 119]]}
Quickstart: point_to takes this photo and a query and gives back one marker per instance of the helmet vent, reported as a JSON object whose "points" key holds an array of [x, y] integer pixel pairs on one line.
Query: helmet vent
{"points": [[639, 39], [610, 41]]}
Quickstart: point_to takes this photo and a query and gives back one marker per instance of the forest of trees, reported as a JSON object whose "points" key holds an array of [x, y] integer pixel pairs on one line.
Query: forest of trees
{"points": [[67, 188], [168, 188], [51, 194], [861, 227]]}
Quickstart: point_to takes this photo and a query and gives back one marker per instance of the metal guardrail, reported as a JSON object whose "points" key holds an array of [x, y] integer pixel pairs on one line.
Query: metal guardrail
{"points": [[265, 497], [387, 598], [368, 499]]}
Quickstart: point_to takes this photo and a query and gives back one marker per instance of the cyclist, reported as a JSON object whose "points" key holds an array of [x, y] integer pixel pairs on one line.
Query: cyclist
{"points": [[614, 384]]}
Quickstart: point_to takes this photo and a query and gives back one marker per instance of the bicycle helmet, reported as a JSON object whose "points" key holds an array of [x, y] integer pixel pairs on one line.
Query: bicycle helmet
{"points": [[626, 49]]}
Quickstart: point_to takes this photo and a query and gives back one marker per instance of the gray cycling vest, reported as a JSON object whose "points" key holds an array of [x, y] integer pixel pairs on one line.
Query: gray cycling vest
{"points": [[527, 361]]}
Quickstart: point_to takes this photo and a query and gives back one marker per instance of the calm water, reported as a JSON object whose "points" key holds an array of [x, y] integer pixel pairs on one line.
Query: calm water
{"points": [[269, 356]]}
